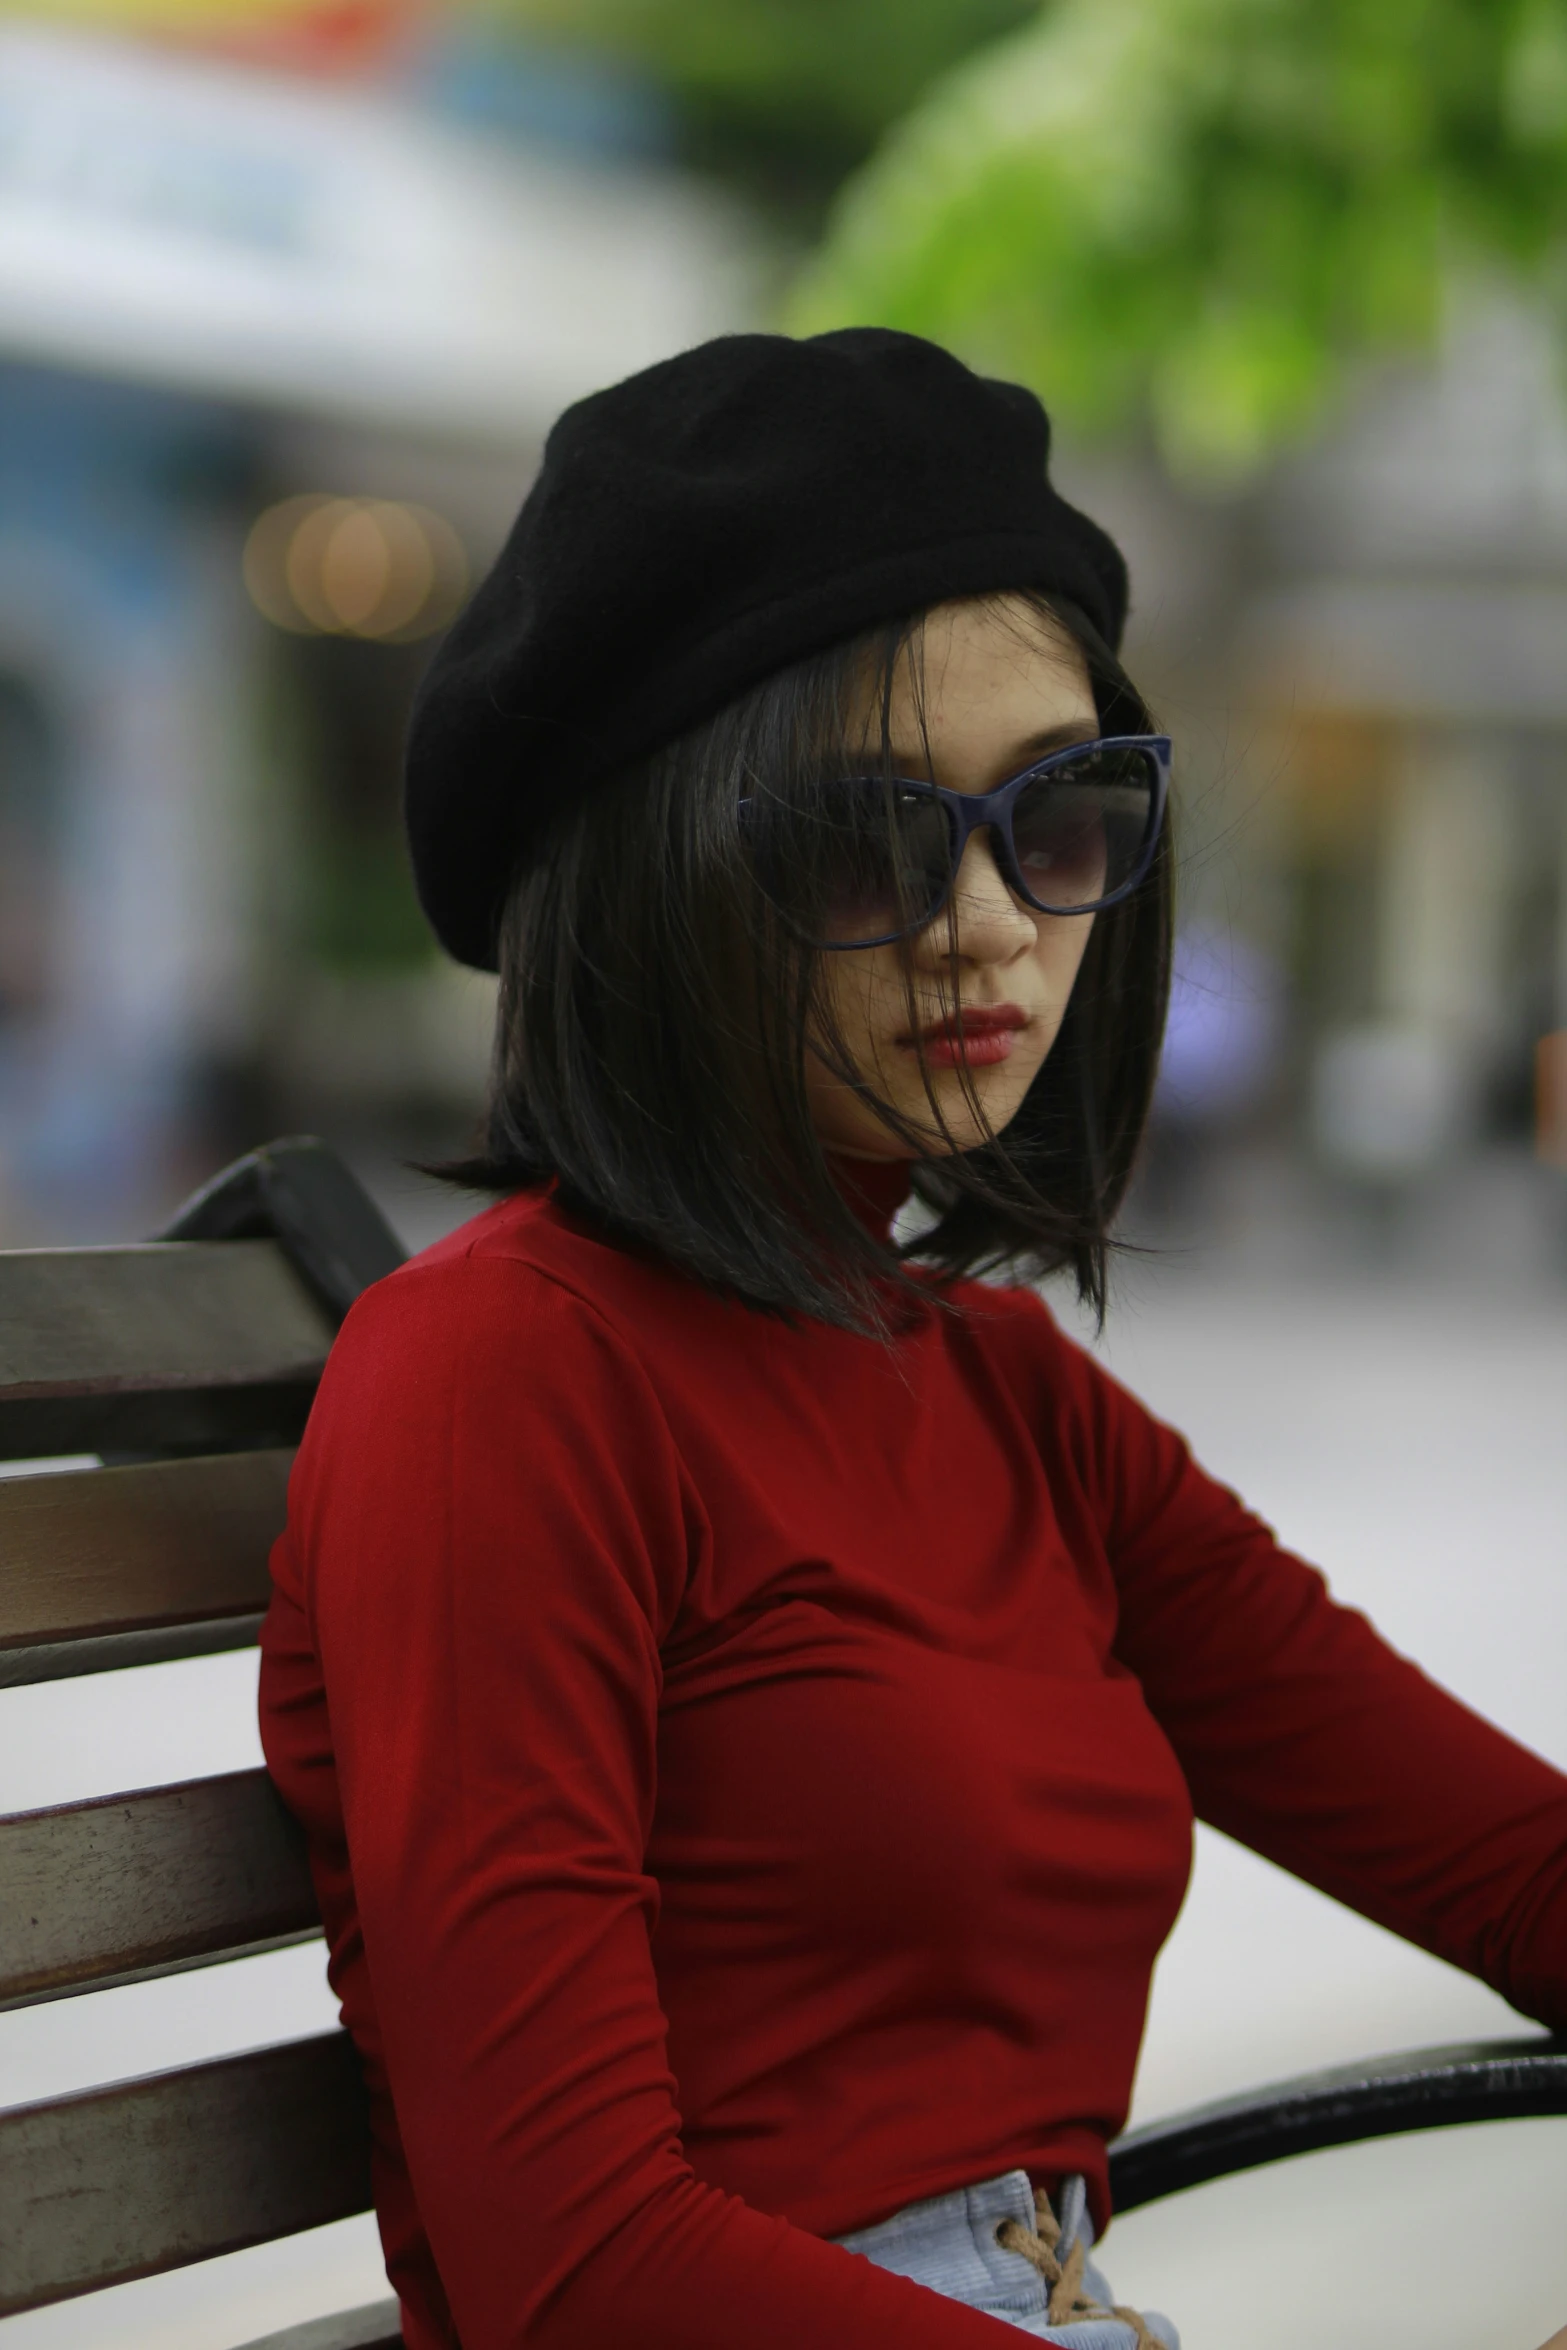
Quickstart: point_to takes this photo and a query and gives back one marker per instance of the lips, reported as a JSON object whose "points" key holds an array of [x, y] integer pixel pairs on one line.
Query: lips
{"points": [[980, 1034]]}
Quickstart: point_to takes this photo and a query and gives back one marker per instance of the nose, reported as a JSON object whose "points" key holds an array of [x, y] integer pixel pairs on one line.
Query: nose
{"points": [[983, 921]]}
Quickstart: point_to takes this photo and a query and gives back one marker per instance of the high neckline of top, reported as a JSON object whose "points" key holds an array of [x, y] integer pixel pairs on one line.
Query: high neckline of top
{"points": [[874, 1188]]}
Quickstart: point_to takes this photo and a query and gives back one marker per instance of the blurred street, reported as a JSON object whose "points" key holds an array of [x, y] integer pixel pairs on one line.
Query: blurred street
{"points": [[1410, 1441]]}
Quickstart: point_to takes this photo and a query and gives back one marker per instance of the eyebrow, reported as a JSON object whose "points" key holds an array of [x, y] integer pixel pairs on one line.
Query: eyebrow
{"points": [[1055, 738], [1022, 754]]}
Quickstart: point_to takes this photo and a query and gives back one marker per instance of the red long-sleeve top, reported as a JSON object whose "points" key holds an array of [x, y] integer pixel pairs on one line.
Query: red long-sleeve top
{"points": [[749, 1772]]}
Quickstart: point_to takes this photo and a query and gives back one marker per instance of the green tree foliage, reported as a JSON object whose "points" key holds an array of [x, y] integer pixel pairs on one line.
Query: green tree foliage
{"points": [[783, 96], [1195, 213]]}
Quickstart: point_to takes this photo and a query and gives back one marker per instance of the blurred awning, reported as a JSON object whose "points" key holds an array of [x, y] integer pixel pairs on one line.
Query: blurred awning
{"points": [[186, 221]]}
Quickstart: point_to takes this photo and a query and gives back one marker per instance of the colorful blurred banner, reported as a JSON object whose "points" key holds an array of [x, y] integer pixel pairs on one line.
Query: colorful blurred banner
{"points": [[323, 36]]}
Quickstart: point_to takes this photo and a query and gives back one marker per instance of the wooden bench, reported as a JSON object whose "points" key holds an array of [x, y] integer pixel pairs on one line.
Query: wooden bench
{"points": [[187, 1366]]}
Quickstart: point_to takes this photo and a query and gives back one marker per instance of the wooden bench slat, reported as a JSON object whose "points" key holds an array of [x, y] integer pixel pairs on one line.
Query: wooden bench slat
{"points": [[168, 1558], [155, 2173], [198, 1344], [63, 1660], [129, 1886]]}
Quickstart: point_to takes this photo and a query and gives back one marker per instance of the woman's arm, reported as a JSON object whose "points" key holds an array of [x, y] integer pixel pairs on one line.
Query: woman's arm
{"points": [[489, 1530], [1303, 1734]]}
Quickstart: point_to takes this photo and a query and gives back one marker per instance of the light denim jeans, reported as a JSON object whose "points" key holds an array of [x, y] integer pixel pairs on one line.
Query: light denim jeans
{"points": [[949, 2243]]}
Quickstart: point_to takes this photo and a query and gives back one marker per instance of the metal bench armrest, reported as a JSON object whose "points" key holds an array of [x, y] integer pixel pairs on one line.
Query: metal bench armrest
{"points": [[1424, 2089]]}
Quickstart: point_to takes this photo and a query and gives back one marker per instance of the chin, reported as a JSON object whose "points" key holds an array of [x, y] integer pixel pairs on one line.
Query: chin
{"points": [[1000, 1095], [964, 1133]]}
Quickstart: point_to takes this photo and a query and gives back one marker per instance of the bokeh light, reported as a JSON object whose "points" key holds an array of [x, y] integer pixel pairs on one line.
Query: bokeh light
{"points": [[364, 567]]}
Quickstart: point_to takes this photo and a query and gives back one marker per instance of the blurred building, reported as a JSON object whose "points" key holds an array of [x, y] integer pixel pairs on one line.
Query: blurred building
{"points": [[1365, 661], [1423, 635], [277, 351]]}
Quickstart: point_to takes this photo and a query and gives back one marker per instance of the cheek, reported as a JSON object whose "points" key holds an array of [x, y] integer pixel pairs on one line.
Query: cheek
{"points": [[1057, 959], [854, 994], [1058, 955], [864, 993]]}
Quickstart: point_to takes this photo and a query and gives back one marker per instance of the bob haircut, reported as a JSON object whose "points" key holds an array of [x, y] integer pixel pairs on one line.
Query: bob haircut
{"points": [[656, 1007]]}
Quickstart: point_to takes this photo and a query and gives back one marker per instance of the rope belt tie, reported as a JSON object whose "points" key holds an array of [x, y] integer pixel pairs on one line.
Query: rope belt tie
{"points": [[1069, 2300]]}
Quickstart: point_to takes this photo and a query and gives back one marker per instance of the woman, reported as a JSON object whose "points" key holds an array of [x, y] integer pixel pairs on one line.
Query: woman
{"points": [[746, 1682]]}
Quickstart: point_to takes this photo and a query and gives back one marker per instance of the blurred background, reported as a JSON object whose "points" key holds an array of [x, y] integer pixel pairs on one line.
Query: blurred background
{"points": [[290, 292]]}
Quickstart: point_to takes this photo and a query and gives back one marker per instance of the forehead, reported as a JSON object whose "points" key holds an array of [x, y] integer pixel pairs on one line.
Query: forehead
{"points": [[983, 680]]}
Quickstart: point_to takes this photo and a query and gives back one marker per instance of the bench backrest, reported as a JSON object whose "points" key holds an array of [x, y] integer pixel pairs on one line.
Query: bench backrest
{"points": [[187, 1367]]}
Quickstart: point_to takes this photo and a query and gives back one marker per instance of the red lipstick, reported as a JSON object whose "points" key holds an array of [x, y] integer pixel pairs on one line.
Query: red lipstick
{"points": [[978, 1034]]}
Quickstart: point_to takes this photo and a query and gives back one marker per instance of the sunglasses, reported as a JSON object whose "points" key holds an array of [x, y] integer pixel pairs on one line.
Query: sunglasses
{"points": [[1072, 834]]}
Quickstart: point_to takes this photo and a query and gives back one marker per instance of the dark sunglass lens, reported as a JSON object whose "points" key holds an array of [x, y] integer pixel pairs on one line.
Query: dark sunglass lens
{"points": [[1081, 830], [883, 857]]}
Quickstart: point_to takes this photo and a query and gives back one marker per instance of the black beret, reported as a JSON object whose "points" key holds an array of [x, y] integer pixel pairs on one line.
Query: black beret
{"points": [[692, 530]]}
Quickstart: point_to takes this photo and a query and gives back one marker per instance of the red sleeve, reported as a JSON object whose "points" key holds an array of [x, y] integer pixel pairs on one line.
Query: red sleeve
{"points": [[1304, 1735], [494, 1528]]}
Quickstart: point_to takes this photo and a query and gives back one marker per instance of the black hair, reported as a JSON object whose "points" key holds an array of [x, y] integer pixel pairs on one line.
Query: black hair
{"points": [[656, 1002]]}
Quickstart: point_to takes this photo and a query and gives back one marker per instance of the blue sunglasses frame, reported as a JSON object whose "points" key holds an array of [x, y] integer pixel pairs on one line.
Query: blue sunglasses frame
{"points": [[970, 812]]}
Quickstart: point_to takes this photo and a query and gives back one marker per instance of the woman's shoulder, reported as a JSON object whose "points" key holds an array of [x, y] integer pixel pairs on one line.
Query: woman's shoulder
{"points": [[1013, 1319], [1043, 1351], [522, 1246], [501, 1344], [519, 1291], [476, 1391], [528, 1228]]}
